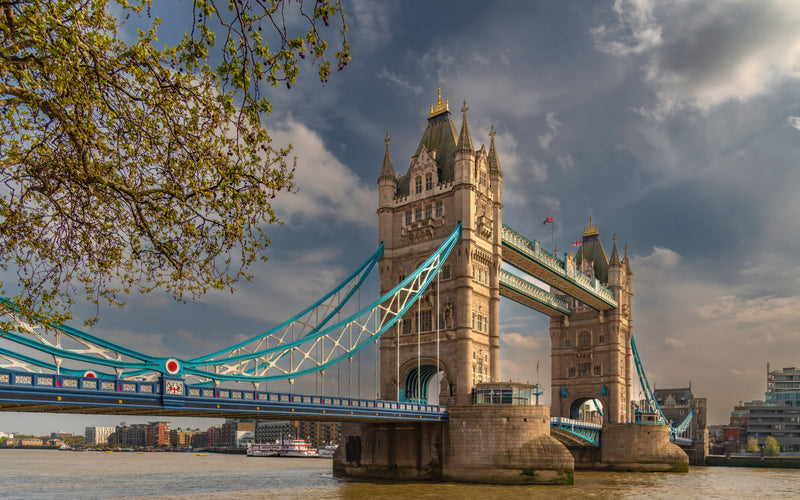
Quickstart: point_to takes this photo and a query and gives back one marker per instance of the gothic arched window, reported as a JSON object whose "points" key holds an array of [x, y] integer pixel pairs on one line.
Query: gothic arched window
{"points": [[584, 338], [418, 185], [428, 182]]}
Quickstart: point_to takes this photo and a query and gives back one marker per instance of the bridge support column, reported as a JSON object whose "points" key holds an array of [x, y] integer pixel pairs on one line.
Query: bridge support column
{"points": [[479, 444], [398, 451], [640, 448]]}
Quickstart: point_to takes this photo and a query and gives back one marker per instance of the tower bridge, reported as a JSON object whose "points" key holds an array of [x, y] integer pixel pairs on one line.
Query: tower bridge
{"points": [[443, 245]]}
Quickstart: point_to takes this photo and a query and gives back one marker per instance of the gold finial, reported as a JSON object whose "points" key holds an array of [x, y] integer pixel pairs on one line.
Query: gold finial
{"points": [[492, 133], [440, 106], [591, 230], [387, 140]]}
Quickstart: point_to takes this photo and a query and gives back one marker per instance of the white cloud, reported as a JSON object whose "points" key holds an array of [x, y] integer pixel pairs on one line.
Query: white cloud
{"points": [[509, 370], [703, 54], [398, 81], [635, 30], [372, 23], [326, 189], [553, 125], [519, 341], [794, 121], [661, 258], [566, 162]]}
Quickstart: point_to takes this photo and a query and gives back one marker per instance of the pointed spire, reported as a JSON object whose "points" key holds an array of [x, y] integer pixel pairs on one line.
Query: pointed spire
{"points": [[464, 139], [614, 261], [626, 261], [494, 163], [387, 170]]}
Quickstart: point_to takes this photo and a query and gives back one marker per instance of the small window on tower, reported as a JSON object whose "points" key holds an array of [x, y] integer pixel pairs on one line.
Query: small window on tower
{"points": [[428, 182], [409, 220], [418, 184], [597, 370], [429, 211], [418, 214], [566, 343], [446, 272], [440, 209], [571, 371]]}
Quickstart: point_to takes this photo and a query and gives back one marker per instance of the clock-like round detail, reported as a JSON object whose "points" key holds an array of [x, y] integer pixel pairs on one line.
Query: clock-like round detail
{"points": [[172, 366], [89, 374]]}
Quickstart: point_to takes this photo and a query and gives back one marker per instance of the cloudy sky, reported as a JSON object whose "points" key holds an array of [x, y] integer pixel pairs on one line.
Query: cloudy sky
{"points": [[674, 125]]}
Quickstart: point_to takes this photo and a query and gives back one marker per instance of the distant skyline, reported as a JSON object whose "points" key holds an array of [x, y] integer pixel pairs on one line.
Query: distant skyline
{"points": [[674, 125]]}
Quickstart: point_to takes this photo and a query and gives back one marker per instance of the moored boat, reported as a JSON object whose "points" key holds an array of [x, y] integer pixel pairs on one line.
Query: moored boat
{"points": [[283, 448]]}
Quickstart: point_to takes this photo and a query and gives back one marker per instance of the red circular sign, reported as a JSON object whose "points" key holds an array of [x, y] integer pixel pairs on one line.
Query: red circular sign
{"points": [[172, 366], [90, 374]]}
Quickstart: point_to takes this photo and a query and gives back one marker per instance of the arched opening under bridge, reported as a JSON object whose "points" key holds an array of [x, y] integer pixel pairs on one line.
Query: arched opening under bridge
{"points": [[587, 410], [422, 386]]}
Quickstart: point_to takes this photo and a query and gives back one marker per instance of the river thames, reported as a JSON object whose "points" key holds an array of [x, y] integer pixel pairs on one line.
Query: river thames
{"points": [[44, 474]]}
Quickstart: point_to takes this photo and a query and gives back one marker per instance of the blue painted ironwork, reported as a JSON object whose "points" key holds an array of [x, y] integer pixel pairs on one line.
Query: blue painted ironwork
{"points": [[652, 404], [304, 344], [416, 385], [587, 432], [25, 391]]}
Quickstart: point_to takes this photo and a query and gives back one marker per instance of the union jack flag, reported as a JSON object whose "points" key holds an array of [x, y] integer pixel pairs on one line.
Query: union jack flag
{"points": [[549, 219]]}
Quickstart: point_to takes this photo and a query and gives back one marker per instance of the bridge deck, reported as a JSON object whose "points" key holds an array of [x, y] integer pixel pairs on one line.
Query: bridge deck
{"points": [[528, 256], [530, 295], [49, 393]]}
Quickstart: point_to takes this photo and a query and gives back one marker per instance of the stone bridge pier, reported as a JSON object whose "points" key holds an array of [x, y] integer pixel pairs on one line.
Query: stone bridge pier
{"points": [[483, 444]]}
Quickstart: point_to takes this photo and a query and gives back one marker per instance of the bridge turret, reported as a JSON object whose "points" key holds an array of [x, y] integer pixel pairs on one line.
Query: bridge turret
{"points": [[591, 351], [457, 330]]}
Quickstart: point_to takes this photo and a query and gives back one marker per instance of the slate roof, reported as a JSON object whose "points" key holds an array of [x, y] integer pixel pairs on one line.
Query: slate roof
{"points": [[440, 135]]}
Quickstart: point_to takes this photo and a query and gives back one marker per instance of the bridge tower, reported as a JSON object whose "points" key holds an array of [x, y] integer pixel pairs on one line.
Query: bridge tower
{"points": [[591, 353], [446, 182]]}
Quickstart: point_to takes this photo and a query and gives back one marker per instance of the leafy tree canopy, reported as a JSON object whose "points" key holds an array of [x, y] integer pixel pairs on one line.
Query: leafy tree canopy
{"points": [[752, 445], [130, 165], [771, 446]]}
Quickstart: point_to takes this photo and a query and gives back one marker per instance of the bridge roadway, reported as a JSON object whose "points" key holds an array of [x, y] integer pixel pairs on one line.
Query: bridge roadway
{"points": [[33, 392], [172, 397], [529, 257]]}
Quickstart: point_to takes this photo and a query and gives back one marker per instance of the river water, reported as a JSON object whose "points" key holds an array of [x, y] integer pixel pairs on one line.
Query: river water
{"points": [[43, 474]]}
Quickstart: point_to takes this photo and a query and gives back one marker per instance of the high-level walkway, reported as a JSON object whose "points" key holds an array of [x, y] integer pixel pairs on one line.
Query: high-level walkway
{"points": [[528, 256]]}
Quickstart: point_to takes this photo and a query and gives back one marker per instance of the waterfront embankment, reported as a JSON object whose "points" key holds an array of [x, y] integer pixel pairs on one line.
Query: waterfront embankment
{"points": [[778, 462]]}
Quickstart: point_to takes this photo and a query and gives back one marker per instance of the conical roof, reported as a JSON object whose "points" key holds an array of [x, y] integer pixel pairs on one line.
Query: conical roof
{"points": [[387, 169], [494, 162], [614, 260], [440, 136], [592, 251], [464, 138]]}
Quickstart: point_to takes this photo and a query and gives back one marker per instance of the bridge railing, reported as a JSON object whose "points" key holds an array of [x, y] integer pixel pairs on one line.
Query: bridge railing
{"points": [[533, 250], [517, 283], [567, 422], [67, 384]]}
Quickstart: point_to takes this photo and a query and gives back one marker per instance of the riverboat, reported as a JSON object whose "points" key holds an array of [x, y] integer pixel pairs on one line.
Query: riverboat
{"points": [[327, 450], [283, 448]]}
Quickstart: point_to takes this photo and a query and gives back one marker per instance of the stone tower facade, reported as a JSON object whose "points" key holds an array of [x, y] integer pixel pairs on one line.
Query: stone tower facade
{"points": [[447, 182], [591, 353]]}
